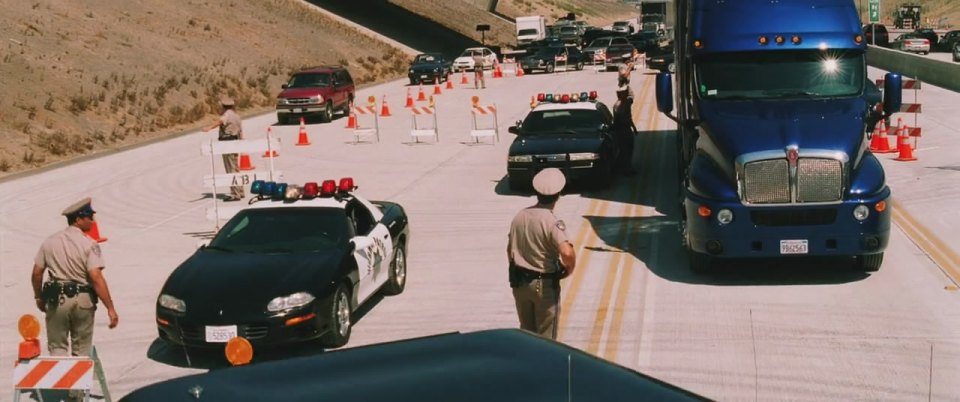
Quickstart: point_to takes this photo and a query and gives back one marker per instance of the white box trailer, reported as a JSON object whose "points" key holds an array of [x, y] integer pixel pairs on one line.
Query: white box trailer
{"points": [[530, 29]]}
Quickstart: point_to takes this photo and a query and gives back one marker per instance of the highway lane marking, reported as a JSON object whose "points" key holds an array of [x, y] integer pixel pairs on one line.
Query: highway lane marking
{"points": [[618, 266], [631, 241], [940, 253]]}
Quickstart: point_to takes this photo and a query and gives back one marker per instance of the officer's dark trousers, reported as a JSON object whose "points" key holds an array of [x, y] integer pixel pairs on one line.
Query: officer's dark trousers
{"points": [[625, 143], [538, 306]]}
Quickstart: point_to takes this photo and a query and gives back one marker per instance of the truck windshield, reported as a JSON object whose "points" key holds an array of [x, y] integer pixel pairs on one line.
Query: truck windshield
{"points": [[527, 32], [786, 74], [309, 80]]}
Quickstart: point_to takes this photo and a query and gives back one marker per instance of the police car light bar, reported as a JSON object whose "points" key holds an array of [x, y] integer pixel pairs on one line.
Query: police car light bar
{"points": [[346, 185], [311, 190], [567, 98], [268, 189], [328, 188]]}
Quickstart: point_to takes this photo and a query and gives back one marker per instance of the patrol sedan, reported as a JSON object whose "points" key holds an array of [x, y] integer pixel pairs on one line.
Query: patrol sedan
{"points": [[292, 266], [572, 132]]}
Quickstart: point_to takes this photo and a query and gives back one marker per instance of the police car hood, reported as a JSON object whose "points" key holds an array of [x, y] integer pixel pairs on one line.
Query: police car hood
{"points": [[211, 279], [557, 143], [740, 127]]}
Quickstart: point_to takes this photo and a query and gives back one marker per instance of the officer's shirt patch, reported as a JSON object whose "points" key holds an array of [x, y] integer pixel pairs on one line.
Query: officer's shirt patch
{"points": [[561, 225], [95, 249]]}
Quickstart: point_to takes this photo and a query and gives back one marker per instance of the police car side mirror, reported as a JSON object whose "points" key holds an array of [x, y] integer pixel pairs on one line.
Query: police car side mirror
{"points": [[202, 244], [361, 242], [514, 130]]}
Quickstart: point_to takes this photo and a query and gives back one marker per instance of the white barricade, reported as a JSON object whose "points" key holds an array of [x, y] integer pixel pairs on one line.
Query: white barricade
{"points": [[479, 132], [62, 373], [213, 147], [420, 131], [369, 113]]}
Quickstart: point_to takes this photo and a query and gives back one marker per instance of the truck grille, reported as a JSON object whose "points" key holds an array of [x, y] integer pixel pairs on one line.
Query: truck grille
{"points": [[299, 101], [768, 181]]}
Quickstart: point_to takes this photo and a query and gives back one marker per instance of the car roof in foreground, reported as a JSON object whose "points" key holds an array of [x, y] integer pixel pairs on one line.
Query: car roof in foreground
{"points": [[492, 365]]}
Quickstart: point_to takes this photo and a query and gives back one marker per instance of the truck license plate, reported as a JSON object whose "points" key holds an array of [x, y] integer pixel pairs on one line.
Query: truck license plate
{"points": [[793, 246], [303, 110], [221, 334]]}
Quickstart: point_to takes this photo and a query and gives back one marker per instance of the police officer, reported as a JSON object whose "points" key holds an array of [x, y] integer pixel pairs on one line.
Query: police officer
{"points": [[624, 130], [478, 81], [540, 255], [231, 129], [69, 297]]}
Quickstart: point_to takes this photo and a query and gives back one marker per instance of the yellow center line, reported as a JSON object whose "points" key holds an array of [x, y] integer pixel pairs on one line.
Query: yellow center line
{"points": [[633, 242], [613, 268], [940, 253], [582, 260]]}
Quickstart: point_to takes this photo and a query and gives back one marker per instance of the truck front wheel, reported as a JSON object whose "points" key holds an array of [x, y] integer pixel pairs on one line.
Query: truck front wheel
{"points": [[869, 262]]}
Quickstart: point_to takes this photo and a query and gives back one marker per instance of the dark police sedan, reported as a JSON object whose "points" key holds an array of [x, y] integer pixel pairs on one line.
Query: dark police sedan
{"points": [[293, 266], [572, 132], [428, 68]]}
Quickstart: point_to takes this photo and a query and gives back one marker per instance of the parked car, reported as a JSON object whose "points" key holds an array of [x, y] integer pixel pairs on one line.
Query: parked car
{"points": [[315, 91], [662, 59], [949, 39], [930, 35], [912, 42], [622, 26], [646, 41], [594, 33], [597, 51], [551, 58], [619, 54], [883, 36], [465, 60], [429, 68], [570, 34]]}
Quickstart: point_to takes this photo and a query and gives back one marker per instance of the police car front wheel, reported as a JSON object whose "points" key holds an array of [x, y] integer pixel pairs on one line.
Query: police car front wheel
{"points": [[339, 318]]}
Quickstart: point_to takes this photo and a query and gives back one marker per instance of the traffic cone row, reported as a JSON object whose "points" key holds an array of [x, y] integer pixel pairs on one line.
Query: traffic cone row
{"points": [[519, 70], [449, 82], [497, 72], [409, 99], [245, 162], [421, 96], [463, 78], [436, 86], [351, 119], [384, 109]]}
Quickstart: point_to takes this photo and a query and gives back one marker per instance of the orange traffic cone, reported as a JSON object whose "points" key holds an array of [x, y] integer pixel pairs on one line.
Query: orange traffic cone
{"points": [[351, 120], [449, 83], [245, 162], [903, 145], [384, 109], [463, 78], [436, 86], [94, 233], [880, 143], [421, 96], [409, 99], [302, 139], [519, 70]]}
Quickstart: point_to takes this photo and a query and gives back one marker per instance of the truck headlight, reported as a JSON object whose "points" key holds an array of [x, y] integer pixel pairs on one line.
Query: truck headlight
{"points": [[584, 156], [316, 99], [298, 299], [724, 216], [861, 212], [281, 101], [520, 158], [172, 303]]}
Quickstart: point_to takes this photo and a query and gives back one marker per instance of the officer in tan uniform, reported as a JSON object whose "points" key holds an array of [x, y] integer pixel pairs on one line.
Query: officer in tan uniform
{"points": [[69, 296], [540, 255], [231, 129]]}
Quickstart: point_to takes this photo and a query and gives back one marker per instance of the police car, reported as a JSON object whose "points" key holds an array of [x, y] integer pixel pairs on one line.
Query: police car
{"points": [[571, 132], [292, 266]]}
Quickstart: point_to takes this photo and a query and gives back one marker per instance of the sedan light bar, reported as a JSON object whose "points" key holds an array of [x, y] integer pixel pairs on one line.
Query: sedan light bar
{"points": [[290, 192]]}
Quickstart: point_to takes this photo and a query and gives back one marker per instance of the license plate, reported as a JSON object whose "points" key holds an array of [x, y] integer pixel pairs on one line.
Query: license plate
{"points": [[221, 334], [424, 76], [793, 246], [303, 110]]}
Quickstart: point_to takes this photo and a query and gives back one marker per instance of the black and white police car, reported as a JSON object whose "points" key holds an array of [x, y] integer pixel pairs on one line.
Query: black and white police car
{"points": [[571, 132], [292, 266]]}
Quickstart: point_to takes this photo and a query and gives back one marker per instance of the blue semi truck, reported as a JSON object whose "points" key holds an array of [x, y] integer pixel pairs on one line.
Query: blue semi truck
{"points": [[774, 111]]}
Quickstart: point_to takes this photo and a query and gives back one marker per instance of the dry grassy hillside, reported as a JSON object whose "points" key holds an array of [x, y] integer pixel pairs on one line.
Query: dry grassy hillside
{"points": [[83, 77]]}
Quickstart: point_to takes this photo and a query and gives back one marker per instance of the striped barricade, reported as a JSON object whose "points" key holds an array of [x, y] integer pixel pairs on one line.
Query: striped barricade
{"points": [[60, 373], [372, 124], [418, 129], [915, 107], [213, 147], [491, 130]]}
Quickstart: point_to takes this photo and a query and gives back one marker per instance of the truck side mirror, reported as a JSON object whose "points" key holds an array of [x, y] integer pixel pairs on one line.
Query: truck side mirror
{"points": [[892, 93], [664, 87]]}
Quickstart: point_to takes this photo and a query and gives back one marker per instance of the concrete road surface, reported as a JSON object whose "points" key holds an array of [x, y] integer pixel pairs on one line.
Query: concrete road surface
{"points": [[769, 330]]}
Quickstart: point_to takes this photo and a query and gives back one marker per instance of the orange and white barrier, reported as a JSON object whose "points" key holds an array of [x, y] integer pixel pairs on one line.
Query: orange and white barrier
{"points": [[419, 129], [368, 121], [490, 130], [914, 108], [63, 373]]}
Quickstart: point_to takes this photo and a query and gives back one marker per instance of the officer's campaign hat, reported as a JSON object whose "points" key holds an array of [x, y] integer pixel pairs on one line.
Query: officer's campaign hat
{"points": [[226, 101], [549, 181], [80, 208]]}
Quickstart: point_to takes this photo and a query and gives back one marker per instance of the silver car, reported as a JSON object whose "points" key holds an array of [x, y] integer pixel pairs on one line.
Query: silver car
{"points": [[912, 42]]}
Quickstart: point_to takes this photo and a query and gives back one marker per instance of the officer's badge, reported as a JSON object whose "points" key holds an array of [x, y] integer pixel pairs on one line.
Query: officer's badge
{"points": [[96, 249], [561, 225]]}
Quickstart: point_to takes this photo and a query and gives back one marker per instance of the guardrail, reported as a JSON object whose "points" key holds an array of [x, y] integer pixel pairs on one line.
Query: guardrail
{"points": [[940, 73]]}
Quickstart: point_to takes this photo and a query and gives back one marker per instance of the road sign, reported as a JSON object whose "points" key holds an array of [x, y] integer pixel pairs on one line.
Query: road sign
{"points": [[874, 10]]}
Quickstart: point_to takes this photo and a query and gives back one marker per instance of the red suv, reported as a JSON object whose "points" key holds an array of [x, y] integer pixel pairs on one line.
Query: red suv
{"points": [[316, 91]]}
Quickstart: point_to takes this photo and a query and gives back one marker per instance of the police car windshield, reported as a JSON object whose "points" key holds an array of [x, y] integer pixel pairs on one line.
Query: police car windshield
{"points": [[309, 80], [566, 121], [784, 74], [283, 230]]}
